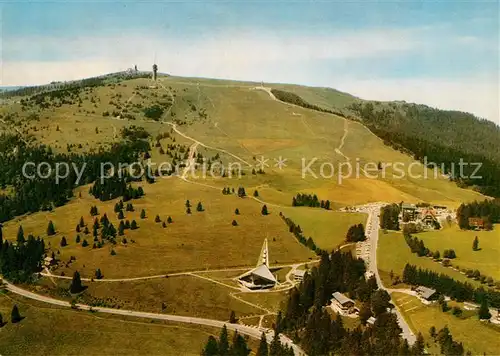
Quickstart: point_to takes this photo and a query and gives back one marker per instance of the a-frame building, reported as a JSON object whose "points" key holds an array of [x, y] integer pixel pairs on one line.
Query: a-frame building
{"points": [[261, 276]]}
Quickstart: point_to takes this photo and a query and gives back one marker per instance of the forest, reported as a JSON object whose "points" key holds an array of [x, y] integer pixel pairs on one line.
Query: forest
{"points": [[443, 137], [34, 193], [488, 210]]}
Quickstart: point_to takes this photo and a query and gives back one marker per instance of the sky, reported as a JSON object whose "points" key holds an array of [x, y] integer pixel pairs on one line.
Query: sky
{"points": [[440, 53]]}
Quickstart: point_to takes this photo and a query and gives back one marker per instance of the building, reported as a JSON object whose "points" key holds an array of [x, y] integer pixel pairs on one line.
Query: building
{"points": [[48, 261], [470, 306], [261, 276], [425, 293], [429, 218], [408, 210], [371, 320], [343, 305], [476, 223], [299, 274]]}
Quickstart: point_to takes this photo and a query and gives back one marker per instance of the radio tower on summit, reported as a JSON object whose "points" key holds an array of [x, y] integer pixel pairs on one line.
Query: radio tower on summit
{"points": [[155, 70]]}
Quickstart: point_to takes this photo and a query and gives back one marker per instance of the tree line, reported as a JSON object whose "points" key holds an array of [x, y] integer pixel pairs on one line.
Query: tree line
{"points": [[19, 260], [297, 232], [310, 200], [446, 285], [444, 137], [488, 210], [32, 194]]}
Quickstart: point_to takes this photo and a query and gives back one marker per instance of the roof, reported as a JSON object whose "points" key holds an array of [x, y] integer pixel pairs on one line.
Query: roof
{"points": [[48, 259], [261, 271], [299, 272], [371, 320], [425, 292], [342, 299], [408, 206]]}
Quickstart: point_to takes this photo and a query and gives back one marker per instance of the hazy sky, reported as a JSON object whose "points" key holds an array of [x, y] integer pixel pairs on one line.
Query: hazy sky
{"points": [[440, 53]]}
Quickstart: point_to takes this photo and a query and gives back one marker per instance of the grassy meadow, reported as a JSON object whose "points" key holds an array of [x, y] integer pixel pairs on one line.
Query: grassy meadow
{"points": [[477, 337], [196, 241], [486, 260], [47, 330], [393, 254]]}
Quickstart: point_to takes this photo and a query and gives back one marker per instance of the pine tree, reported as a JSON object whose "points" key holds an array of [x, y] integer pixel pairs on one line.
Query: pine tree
{"points": [[98, 273], [475, 244], [78, 229], [76, 284], [82, 222], [164, 224], [255, 193], [121, 215], [188, 204], [77, 240], [237, 211], [20, 236], [234, 223], [199, 207], [113, 252], [85, 243], [15, 316], [169, 220], [232, 317], [211, 348], [264, 210], [188, 210], [127, 224], [51, 230], [484, 312], [63, 241], [143, 214], [86, 230], [133, 225], [157, 218], [224, 341], [121, 228], [263, 349]]}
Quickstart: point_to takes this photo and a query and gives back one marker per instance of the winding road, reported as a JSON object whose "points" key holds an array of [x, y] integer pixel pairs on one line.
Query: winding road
{"points": [[254, 332]]}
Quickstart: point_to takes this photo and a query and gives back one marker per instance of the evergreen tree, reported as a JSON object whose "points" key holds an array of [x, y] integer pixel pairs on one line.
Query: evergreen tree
{"points": [[77, 240], [256, 193], [264, 210], [169, 220], [86, 230], [237, 211], [232, 317], [164, 224], [432, 332], [127, 224], [157, 219], [234, 223], [76, 284], [98, 273], [263, 349], [63, 241], [121, 215], [15, 316], [143, 214], [20, 236], [133, 225], [199, 207], [224, 341], [51, 230], [484, 312], [78, 229], [188, 210], [82, 222], [211, 348], [113, 252], [475, 244], [188, 204], [121, 228], [85, 243]]}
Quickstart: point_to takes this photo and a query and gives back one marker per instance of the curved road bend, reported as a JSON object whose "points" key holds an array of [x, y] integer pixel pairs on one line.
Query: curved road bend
{"points": [[373, 211], [254, 332]]}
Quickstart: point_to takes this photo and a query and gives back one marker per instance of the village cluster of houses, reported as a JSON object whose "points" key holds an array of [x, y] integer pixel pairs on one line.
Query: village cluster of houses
{"points": [[424, 217]]}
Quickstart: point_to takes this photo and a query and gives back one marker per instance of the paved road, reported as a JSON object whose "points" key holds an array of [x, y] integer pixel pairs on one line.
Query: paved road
{"points": [[372, 231], [254, 332]]}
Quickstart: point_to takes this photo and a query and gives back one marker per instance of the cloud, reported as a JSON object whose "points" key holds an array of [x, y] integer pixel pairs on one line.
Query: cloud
{"points": [[477, 95], [314, 59]]}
